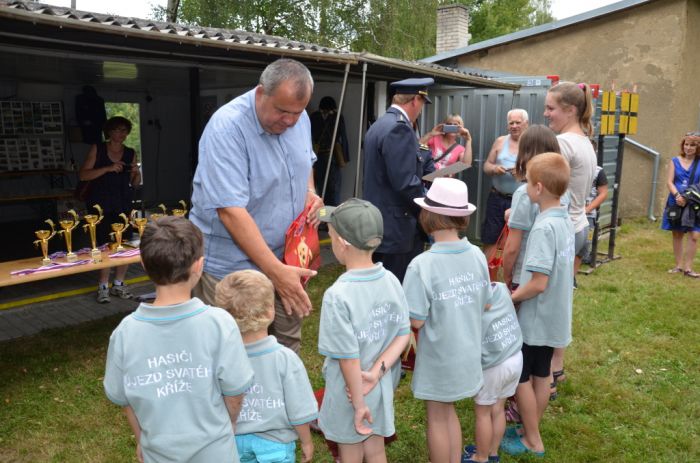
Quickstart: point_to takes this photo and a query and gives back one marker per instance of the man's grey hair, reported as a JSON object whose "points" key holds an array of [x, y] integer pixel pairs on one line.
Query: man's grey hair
{"points": [[287, 69], [520, 111]]}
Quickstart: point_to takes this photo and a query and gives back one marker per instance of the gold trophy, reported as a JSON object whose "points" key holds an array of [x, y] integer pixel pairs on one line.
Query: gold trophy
{"points": [[44, 237], [91, 221], [138, 223], [158, 215], [118, 229], [181, 212], [68, 225]]}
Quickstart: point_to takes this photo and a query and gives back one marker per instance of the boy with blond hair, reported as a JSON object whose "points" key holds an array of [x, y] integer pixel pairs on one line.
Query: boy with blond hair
{"points": [[280, 404], [545, 296], [502, 364], [364, 328], [178, 366]]}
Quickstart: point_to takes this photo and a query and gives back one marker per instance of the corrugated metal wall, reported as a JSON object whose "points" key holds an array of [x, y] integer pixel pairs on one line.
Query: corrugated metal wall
{"points": [[484, 114]]}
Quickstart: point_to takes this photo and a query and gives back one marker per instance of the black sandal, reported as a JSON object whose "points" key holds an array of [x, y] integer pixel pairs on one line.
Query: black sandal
{"points": [[557, 377]]}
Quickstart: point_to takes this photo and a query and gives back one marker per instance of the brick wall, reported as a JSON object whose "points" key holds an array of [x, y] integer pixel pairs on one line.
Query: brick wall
{"points": [[452, 27]]}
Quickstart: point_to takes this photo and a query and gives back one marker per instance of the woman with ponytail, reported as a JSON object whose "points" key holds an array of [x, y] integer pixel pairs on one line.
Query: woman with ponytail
{"points": [[568, 107]]}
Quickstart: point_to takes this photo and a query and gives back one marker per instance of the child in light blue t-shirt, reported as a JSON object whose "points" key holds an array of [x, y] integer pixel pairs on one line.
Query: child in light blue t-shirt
{"points": [[446, 288], [364, 329], [280, 404], [178, 366], [536, 139], [545, 296], [502, 363]]}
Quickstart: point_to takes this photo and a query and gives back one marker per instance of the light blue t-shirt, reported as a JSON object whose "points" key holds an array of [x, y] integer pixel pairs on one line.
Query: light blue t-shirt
{"points": [[522, 216], [280, 397], [500, 329], [362, 313], [172, 365], [505, 183], [241, 165], [545, 320], [447, 286]]}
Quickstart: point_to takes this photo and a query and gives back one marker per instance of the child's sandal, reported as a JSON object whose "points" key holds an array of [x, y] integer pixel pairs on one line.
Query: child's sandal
{"points": [[691, 274], [553, 394], [559, 376], [676, 270]]}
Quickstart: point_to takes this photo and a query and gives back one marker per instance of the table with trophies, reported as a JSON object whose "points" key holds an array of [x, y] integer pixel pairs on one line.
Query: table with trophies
{"points": [[95, 258]]}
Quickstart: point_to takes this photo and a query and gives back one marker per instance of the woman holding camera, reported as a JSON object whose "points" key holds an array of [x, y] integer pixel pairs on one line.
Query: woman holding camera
{"points": [[683, 171], [444, 144]]}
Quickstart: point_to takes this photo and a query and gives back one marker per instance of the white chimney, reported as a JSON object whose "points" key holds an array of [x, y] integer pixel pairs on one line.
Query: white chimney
{"points": [[452, 27]]}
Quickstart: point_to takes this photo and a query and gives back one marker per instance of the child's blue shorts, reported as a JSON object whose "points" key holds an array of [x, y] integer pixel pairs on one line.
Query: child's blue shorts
{"points": [[252, 448]]}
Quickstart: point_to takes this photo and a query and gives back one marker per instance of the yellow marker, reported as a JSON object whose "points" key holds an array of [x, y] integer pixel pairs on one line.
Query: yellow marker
{"points": [[624, 112], [605, 105], [611, 115], [634, 112]]}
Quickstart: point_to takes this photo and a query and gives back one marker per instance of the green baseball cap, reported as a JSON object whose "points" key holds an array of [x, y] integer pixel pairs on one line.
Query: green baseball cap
{"points": [[356, 221]]}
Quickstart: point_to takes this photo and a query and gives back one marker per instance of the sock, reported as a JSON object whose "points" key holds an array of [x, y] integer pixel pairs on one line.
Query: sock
{"points": [[103, 286], [118, 283]]}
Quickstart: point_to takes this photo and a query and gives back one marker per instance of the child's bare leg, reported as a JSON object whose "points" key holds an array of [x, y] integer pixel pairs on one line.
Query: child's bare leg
{"points": [[484, 431], [526, 396], [373, 449], [498, 421], [350, 453], [444, 432]]}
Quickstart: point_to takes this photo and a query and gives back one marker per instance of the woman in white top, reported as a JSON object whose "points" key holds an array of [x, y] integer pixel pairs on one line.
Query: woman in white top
{"points": [[568, 107]]}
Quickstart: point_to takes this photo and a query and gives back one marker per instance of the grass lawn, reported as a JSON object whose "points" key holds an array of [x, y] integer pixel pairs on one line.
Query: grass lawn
{"points": [[632, 392]]}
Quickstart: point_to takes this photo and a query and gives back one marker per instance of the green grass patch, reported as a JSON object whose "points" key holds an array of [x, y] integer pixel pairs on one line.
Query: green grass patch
{"points": [[632, 391]]}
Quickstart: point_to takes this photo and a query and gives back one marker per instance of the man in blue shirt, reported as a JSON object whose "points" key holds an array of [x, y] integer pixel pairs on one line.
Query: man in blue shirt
{"points": [[253, 179]]}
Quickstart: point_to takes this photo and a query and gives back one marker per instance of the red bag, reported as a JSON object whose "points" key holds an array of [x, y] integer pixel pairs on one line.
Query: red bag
{"points": [[408, 357], [495, 257], [301, 246]]}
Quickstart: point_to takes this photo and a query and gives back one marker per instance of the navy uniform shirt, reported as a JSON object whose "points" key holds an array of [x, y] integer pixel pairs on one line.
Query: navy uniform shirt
{"points": [[393, 169]]}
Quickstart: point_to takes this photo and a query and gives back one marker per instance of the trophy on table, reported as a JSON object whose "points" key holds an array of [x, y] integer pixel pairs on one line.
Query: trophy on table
{"points": [[117, 230], [181, 212], [68, 225], [139, 223], [158, 215], [91, 221], [44, 237]]}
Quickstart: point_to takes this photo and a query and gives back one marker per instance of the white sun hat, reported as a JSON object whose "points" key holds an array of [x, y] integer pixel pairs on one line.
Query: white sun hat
{"points": [[447, 196]]}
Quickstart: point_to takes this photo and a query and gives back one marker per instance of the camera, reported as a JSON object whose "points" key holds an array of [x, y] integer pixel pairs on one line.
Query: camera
{"points": [[450, 128]]}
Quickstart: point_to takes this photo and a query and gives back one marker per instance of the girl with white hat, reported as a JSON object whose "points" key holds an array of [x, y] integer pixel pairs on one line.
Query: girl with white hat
{"points": [[446, 288]]}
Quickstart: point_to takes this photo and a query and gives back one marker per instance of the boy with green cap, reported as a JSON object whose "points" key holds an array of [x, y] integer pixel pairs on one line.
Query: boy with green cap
{"points": [[363, 330]]}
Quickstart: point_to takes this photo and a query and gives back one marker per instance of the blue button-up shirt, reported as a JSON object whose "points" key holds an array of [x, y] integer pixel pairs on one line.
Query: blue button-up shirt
{"points": [[241, 165]]}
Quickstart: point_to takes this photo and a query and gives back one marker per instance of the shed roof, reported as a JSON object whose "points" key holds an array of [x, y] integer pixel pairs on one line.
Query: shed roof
{"points": [[25, 23], [537, 30]]}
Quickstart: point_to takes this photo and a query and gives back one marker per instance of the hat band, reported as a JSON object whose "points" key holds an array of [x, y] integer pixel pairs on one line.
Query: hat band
{"points": [[432, 203]]}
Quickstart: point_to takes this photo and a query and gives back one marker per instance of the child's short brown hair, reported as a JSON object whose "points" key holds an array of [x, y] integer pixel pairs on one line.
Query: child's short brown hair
{"points": [[169, 247], [551, 170], [249, 296], [431, 222]]}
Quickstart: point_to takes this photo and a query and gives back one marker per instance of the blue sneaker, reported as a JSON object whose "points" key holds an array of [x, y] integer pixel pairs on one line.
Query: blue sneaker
{"points": [[470, 450], [516, 447]]}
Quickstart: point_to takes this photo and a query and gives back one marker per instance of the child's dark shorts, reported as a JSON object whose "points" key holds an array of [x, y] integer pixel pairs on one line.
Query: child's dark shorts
{"points": [[536, 362]]}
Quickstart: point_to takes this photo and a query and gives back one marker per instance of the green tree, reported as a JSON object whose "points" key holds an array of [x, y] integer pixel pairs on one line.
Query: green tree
{"points": [[396, 28]]}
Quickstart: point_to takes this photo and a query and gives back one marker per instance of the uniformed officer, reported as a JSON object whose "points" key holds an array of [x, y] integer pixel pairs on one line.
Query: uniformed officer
{"points": [[393, 167]]}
